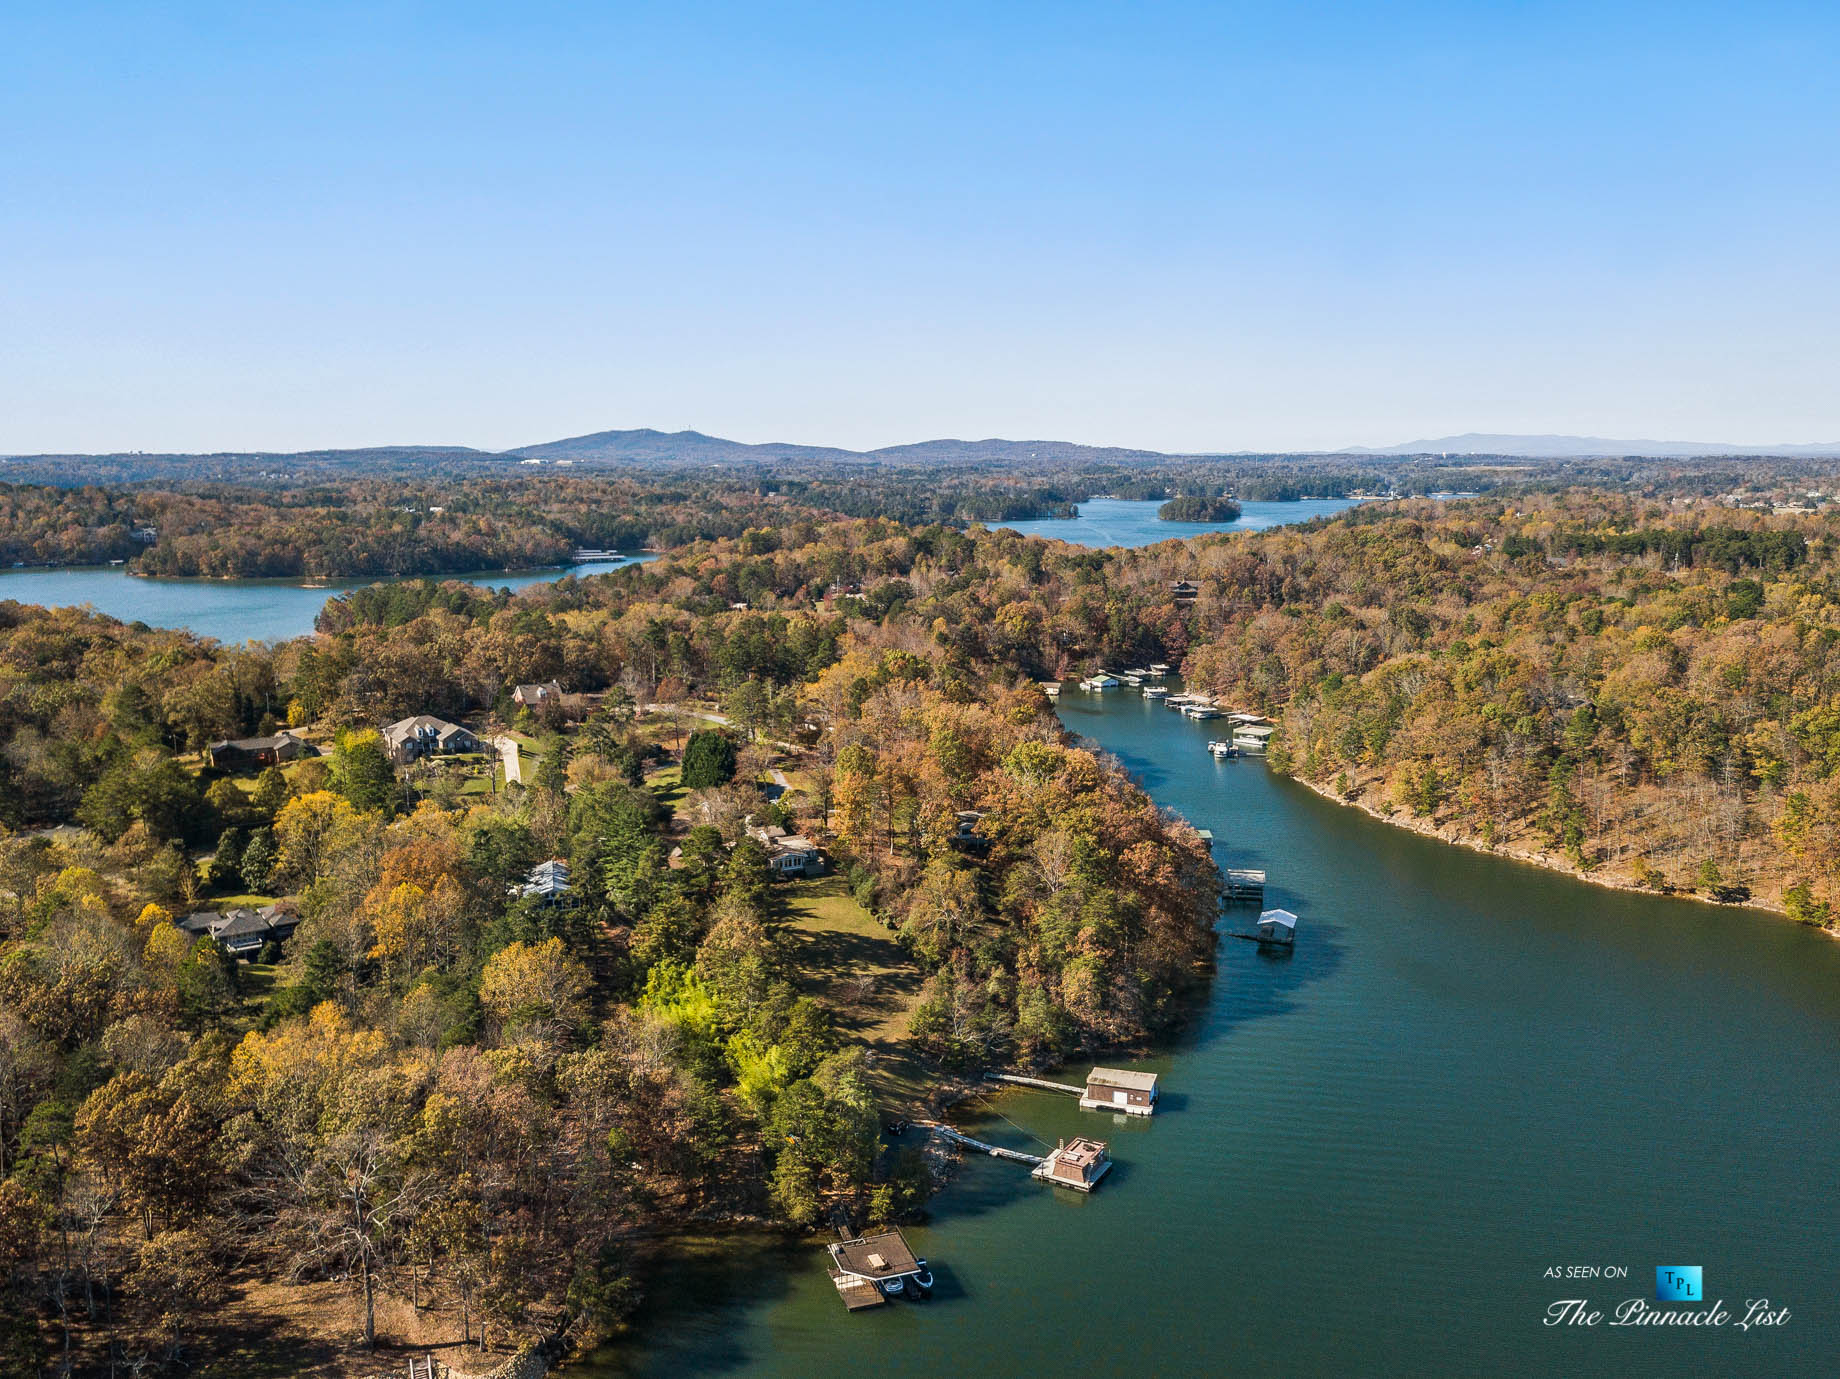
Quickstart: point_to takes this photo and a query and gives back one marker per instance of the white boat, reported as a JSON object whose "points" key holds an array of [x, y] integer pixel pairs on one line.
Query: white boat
{"points": [[1156, 692], [1159, 668], [924, 1279], [894, 1287], [1223, 749], [1131, 679], [1202, 711], [1252, 739]]}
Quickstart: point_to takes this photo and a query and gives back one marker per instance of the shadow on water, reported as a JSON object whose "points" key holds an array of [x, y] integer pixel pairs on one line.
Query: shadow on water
{"points": [[1256, 982]]}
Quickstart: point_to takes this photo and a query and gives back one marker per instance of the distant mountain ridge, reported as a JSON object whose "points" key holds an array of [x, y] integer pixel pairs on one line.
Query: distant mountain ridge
{"points": [[1588, 447], [647, 446]]}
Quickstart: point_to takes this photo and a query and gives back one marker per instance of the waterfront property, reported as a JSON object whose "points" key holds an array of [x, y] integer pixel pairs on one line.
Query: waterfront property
{"points": [[426, 736], [1078, 1163], [1120, 1089]]}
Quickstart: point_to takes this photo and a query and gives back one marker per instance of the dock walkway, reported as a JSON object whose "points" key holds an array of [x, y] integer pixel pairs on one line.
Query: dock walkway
{"points": [[996, 1151], [1040, 1082]]}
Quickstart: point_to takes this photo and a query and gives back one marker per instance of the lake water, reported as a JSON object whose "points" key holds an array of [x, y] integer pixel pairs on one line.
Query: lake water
{"points": [[1128, 522], [231, 610], [1369, 1153]]}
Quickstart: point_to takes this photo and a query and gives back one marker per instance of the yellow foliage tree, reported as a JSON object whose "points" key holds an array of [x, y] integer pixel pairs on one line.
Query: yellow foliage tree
{"points": [[535, 983]]}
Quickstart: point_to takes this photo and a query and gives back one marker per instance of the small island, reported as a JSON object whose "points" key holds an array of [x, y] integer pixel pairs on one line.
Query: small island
{"points": [[1196, 509]]}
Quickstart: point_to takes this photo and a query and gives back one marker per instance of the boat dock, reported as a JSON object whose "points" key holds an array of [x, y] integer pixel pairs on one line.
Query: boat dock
{"points": [[1078, 1164], [1243, 883]]}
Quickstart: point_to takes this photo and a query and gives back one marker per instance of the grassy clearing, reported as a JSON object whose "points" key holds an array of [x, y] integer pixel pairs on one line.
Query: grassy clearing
{"points": [[667, 783], [854, 966]]}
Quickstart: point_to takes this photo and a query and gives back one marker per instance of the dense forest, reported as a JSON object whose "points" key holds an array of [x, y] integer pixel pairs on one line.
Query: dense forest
{"points": [[441, 1096]]}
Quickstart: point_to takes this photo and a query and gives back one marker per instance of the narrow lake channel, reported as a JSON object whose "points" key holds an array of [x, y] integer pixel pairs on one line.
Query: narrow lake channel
{"points": [[1368, 1153]]}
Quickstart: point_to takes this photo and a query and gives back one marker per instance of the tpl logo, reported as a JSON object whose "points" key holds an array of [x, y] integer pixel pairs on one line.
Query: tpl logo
{"points": [[1678, 1283]]}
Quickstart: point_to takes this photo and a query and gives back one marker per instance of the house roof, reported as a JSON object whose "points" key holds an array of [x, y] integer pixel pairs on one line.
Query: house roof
{"points": [[885, 1254], [255, 744], [1122, 1077], [1284, 917], [423, 723]]}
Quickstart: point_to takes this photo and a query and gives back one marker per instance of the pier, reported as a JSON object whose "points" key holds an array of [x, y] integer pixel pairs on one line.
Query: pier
{"points": [[1018, 1080], [996, 1151]]}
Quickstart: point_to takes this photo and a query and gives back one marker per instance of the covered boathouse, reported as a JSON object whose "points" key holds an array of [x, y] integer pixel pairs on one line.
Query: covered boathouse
{"points": [[869, 1267], [1117, 1089], [1078, 1163]]}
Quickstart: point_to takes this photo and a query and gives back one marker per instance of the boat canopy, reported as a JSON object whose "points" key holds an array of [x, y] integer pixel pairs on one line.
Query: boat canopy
{"points": [[1284, 917]]}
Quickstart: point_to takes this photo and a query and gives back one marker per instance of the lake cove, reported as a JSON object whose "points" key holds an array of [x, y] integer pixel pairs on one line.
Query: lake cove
{"points": [[1368, 1154], [234, 610]]}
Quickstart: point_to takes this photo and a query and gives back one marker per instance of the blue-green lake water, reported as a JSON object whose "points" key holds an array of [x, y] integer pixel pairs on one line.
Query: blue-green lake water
{"points": [[231, 610], [1129, 522], [1370, 1152]]}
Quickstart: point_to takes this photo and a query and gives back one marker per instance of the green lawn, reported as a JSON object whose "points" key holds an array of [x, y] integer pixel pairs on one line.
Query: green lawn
{"points": [[854, 966], [667, 783]]}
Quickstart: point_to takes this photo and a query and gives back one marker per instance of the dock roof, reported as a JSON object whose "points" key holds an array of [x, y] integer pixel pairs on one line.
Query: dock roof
{"points": [[1121, 1077], [880, 1256], [1284, 917]]}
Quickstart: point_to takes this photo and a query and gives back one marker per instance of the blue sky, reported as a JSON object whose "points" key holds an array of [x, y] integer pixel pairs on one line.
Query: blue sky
{"points": [[1178, 226]]}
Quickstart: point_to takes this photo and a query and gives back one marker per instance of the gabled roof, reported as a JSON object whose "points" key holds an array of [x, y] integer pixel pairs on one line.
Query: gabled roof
{"points": [[1124, 1078], [1284, 917]]}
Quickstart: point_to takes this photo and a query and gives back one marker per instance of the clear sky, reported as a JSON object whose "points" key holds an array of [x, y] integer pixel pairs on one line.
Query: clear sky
{"points": [[1180, 226]]}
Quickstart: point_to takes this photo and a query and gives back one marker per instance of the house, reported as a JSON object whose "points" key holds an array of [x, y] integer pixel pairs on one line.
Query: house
{"points": [[1120, 1089], [425, 736], [788, 854], [1078, 1163], [965, 835], [243, 933], [550, 692], [254, 753], [547, 882], [1185, 591]]}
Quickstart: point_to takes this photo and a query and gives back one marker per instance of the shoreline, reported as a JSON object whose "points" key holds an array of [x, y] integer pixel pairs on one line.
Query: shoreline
{"points": [[1546, 861]]}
